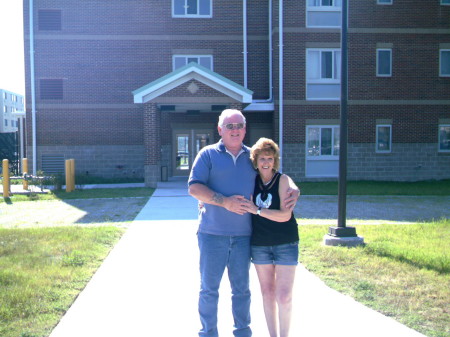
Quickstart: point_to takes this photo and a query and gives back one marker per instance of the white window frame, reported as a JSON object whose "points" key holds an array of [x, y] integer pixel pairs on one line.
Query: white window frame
{"points": [[194, 16], [439, 137], [390, 62], [333, 145], [336, 79], [337, 5], [377, 149], [384, 2], [440, 62], [187, 57]]}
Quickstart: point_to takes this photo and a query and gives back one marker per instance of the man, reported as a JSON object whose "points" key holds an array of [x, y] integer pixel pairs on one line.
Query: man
{"points": [[222, 179]]}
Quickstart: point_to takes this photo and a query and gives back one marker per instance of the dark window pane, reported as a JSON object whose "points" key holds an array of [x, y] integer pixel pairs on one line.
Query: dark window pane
{"points": [[445, 62], [444, 138], [327, 64], [192, 7], [384, 62], [384, 138], [326, 141]]}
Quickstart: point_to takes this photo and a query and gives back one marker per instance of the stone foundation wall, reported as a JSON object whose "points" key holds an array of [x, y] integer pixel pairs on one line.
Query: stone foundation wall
{"points": [[406, 162], [103, 161]]}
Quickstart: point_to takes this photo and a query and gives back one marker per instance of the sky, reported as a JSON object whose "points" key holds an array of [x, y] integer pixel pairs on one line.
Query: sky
{"points": [[12, 72]]}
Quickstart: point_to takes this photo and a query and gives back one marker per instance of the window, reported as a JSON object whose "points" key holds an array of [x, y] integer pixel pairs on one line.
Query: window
{"points": [[6, 122], [49, 19], [51, 89], [5, 95], [323, 74], [444, 138], [444, 63], [5, 108], [324, 3], [384, 62], [324, 13], [384, 138], [384, 2], [322, 141], [181, 60], [192, 8]]}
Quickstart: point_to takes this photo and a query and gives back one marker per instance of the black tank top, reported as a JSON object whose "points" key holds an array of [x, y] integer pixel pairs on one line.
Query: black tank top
{"points": [[268, 232]]}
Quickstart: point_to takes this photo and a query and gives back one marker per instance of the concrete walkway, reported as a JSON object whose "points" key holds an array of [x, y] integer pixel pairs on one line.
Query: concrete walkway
{"points": [[148, 286]]}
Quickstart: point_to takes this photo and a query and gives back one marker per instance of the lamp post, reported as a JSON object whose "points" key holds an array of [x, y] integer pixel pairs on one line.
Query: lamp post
{"points": [[343, 235]]}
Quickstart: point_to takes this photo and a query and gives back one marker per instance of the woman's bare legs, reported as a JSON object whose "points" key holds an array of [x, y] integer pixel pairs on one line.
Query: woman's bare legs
{"points": [[276, 284], [283, 291], [266, 276]]}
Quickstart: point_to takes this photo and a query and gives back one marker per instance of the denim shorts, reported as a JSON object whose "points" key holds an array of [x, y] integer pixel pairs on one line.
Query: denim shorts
{"points": [[285, 254]]}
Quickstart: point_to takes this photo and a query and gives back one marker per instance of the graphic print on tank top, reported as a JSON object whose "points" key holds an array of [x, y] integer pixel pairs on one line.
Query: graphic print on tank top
{"points": [[264, 199]]}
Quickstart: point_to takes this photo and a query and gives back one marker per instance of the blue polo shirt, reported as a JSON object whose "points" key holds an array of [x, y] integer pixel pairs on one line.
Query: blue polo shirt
{"points": [[217, 169]]}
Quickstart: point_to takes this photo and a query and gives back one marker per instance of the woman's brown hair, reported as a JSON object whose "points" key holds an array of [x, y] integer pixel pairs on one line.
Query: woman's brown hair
{"points": [[265, 146]]}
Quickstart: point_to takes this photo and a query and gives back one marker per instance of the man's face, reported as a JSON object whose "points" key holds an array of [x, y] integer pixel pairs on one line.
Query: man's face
{"points": [[232, 131]]}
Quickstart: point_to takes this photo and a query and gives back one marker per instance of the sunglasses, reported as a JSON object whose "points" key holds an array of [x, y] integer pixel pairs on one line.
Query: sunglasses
{"points": [[234, 126]]}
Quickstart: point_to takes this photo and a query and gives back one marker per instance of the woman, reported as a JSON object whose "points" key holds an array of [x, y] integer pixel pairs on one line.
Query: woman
{"points": [[274, 237]]}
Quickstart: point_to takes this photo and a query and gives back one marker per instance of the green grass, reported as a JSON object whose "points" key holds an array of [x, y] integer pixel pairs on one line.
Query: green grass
{"points": [[431, 187], [41, 272], [83, 194], [402, 272]]}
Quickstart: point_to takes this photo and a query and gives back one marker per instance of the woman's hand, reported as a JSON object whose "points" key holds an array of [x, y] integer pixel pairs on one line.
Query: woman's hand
{"points": [[250, 206]]}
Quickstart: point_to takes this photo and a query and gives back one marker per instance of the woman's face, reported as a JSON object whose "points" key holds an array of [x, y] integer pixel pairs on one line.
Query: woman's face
{"points": [[265, 162]]}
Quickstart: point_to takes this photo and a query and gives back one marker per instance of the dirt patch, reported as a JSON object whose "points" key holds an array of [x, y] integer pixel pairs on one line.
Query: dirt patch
{"points": [[80, 212]]}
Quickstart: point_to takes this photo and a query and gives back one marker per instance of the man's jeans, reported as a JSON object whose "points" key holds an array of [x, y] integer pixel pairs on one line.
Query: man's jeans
{"points": [[216, 253]]}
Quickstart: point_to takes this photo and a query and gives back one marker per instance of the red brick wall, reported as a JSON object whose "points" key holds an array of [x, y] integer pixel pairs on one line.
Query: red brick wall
{"points": [[415, 70], [90, 126], [152, 137], [103, 53], [401, 14]]}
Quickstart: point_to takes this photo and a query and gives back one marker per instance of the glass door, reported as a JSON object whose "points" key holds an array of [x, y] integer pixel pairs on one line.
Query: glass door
{"points": [[186, 145]]}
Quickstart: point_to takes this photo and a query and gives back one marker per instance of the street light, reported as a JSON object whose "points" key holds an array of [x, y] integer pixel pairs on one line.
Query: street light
{"points": [[343, 235]]}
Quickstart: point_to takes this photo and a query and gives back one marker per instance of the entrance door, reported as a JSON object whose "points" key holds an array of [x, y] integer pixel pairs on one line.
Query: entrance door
{"points": [[187, 143]]}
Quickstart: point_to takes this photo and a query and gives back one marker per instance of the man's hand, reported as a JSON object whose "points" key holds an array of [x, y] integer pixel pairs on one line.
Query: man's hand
{"points": [[236, 204], [291, 199]]}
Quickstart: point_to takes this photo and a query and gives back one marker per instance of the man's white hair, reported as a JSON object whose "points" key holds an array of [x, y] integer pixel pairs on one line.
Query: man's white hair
{"points": [[227, 113]]}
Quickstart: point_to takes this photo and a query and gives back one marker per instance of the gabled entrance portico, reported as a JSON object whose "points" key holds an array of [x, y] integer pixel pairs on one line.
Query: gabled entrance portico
{"points": [[180, 116]]}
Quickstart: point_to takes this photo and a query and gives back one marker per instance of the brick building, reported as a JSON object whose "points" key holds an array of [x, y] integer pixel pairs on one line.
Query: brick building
{"points": [[134, 88]]}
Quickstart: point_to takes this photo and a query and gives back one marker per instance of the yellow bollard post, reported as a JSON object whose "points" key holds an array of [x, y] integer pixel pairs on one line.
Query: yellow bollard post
{"points": [[68, 167], [25, 171], [5, 178], [72, 171]]}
